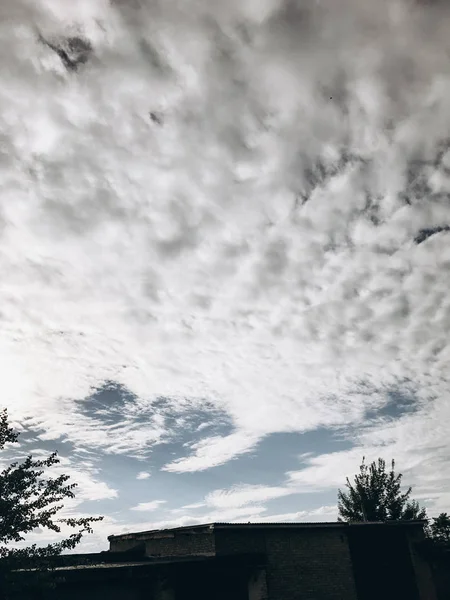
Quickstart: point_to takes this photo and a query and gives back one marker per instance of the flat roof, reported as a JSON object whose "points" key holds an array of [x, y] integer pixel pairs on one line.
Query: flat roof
{"points": [[91, 566], [210, 527], [155, 561]]}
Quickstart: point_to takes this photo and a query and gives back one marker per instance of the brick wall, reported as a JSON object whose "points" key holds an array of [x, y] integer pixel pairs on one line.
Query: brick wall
{"points": [[434, 561], [440, 569], [170, 543], [382, 563], [309, 564], [257, 585], [302, 564], [181, 544], [249, 541], [423, 571], [123, 545]]}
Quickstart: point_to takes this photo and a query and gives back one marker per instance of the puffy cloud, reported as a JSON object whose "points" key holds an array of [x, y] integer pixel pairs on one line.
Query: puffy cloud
{"points": [[143, 475], [254, 247]]}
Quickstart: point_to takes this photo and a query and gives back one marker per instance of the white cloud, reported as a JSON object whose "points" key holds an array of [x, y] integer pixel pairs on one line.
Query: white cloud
{"points": [[417, 443], [214, 451], [193, 506], [143, 475], [320, 514], [228, 515], [173, 519], [180, 260], [149, 506], [254, 514], [84, 473], [243, 495]]}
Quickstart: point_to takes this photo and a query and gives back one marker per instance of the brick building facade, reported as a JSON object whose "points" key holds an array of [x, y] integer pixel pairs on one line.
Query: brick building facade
{"points": [[292, 561]]}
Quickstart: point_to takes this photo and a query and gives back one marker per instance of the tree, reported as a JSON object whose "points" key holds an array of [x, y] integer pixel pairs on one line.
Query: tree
{"points": [[376, 495], [28, 501], [439, 529]]}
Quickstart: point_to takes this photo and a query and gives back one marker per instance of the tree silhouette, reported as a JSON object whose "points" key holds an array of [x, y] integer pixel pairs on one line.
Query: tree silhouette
{"points": [[28, 501], [376, 495], [439, 529]]}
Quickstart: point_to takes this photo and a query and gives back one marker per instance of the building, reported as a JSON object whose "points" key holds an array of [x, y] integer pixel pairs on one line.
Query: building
{"points": [[268, 561], [437, 555]]}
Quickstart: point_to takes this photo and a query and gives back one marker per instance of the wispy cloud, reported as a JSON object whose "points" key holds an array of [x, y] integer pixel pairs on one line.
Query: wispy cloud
{"points": [[244, 495], [193, 506], [320, 514], [211, 452], [85, 473], [254, 514], [143, 475], [149, 506]]}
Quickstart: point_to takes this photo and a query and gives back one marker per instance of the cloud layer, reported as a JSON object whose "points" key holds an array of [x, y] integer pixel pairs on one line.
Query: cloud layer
{"points": [[240, 207]]}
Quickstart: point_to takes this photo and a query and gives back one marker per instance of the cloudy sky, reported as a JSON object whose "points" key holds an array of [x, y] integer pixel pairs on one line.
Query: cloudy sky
{"points": [[225, 251]]}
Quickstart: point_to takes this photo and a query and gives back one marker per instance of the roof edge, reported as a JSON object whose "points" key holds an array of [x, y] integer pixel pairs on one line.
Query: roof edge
{"points": [[295, 525]]}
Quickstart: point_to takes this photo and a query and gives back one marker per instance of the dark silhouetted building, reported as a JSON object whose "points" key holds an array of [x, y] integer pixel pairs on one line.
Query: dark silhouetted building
{"points": [[267, 561]]}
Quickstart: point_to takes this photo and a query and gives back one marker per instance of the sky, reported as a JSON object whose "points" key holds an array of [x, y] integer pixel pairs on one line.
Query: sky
{"points": [[225, 252]]}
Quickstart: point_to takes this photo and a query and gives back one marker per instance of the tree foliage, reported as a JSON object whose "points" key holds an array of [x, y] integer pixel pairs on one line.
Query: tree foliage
{"points": [[29, 500], [439, 528], [376, 495]]}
